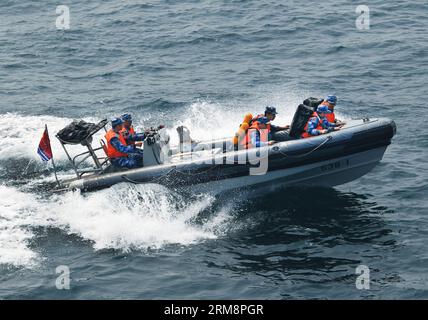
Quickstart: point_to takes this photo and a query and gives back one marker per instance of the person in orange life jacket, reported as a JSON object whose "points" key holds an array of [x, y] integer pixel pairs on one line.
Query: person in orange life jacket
{"points": [[330, 101], [120, 154], [270, 114], [258, 133], [128, 131], [318, 123], [276, 133]]}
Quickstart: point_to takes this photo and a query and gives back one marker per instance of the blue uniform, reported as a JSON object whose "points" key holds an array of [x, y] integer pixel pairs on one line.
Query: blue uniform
{"points": [[314, 122], [134, 159], [255, 139], [130, 138]]}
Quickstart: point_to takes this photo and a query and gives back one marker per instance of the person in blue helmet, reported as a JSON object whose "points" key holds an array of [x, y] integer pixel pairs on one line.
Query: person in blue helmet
{"points": [[319, 124], [330, 101], [132, 138], [270, 114], [120, 154], [258, 133]]}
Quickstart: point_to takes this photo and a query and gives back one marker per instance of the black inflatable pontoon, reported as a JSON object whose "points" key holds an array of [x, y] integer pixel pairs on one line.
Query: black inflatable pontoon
{"points": [[326, 160]]}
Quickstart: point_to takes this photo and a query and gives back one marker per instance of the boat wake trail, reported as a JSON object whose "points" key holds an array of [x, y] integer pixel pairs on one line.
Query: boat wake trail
{"points": [[127, 217], [16, 217], [124, 217]]}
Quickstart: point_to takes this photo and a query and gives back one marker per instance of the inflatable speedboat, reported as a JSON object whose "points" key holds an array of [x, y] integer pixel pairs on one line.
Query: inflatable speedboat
{"points": [[325, 160]]}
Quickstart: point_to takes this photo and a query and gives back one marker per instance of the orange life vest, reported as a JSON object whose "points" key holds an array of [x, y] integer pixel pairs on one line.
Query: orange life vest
{"points": [[111, 151], [305, 133], [243, 127], [256, 118], [330, 116], [125, 132], [264, 134]]}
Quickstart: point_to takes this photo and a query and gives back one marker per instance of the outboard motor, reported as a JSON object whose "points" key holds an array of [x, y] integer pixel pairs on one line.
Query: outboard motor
{"points": [[156, 148]]}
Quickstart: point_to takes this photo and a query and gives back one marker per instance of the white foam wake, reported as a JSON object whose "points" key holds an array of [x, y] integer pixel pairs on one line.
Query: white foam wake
{"points": [[129, 217], [124, 217], [210, 120], [20, 135], [16, 215]]}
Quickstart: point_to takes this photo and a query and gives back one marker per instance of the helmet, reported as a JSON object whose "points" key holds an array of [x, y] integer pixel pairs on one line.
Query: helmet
{"points": [[126, 117], [263, 120], [271, 110], [323, 109], [115, 122], [331, 99]]}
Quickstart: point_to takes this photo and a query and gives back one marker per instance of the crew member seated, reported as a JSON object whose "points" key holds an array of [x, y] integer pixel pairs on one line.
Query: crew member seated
{"points": [[120, 154], [318, 123], [270, 114], [330, 102], [128, 131], [277, 133], [257, 134]]}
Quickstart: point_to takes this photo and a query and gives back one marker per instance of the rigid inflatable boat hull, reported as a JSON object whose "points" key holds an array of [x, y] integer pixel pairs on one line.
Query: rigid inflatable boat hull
{"points": [[326, 160], [327, 173]]}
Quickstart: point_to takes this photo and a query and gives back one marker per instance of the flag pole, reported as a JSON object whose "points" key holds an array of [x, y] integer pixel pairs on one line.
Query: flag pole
{"points": [[53, 161]]}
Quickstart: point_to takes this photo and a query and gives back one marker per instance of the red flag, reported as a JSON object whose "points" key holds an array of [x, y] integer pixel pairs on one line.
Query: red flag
{"points": [[44, 150]]}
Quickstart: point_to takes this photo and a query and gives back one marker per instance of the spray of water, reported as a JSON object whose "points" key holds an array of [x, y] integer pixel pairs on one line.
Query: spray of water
{"points": [[15, 218], [129, 217], [124, 217]]}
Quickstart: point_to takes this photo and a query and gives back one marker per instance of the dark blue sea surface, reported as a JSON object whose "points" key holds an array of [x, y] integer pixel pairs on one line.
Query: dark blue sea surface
{"points": [[205, 64]]}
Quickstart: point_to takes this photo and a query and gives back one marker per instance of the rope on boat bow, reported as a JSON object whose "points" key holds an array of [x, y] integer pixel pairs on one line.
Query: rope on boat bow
{"points": [[308, 153], [125, 177]]}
